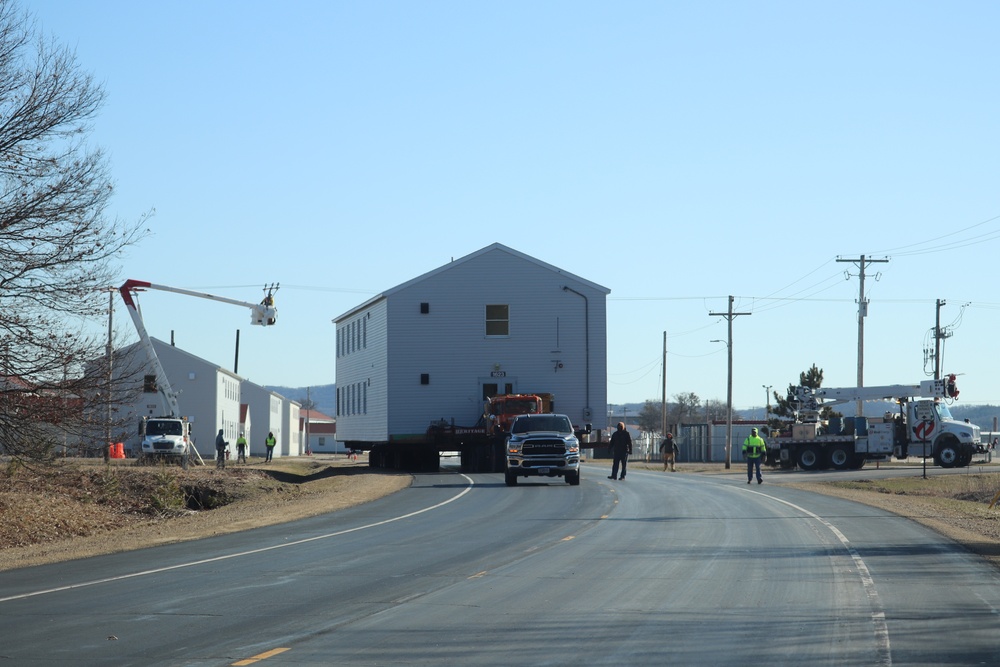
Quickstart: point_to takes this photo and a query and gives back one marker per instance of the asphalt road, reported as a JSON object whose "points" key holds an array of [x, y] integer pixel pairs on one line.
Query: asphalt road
{"points": [[658, 569]]}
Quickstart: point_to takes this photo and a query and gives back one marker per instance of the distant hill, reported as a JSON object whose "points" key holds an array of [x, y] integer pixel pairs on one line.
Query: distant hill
{"points": [[323, 396]]}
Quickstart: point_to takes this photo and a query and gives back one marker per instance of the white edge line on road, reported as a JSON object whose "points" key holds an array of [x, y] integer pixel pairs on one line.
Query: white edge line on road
{"points": [[878, 613], [240, 554]]}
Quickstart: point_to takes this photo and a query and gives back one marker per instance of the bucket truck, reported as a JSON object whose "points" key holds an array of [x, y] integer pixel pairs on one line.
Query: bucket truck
{"points": [[167, 437], [921, 426]]}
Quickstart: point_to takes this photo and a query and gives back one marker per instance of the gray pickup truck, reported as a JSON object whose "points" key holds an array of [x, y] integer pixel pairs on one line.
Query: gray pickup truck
{"points": [[542, 446]]}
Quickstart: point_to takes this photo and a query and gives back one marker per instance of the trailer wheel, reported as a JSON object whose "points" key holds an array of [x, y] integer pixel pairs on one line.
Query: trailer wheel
{"points": [[840, 457], [510, 478], [573, 478], [858, 462], [809, 457]]}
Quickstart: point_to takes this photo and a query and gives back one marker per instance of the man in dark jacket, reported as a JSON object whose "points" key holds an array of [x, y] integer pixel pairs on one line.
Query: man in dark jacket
{"points": [[669, 450], [621, 447], [220, 450]]}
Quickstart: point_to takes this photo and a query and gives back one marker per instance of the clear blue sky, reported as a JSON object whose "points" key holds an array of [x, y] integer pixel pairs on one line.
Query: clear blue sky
{"points": [[674, 152]]}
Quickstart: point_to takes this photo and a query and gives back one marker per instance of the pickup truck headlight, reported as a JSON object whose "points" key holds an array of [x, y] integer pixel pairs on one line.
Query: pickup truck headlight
{"points": [[573, 446], [514, 446]]}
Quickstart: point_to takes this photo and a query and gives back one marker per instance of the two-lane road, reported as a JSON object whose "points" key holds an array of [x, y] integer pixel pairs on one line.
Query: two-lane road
{"points": [[658, 569]]}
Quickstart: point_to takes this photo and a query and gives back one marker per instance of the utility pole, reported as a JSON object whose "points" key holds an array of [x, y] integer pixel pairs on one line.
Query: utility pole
{"points": [[767, 401], [862, 263], [729, 384], [109, 351], [663, 394], [938, 337], [308, 414]]}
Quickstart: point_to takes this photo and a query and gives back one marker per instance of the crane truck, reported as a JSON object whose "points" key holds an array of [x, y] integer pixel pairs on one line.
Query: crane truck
{"points": [[922, 426], [168, 436]]}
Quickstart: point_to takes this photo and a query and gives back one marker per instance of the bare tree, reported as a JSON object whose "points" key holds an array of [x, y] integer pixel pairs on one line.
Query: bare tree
{"points": [[715, 410], [57, 249], [685, 407], [650, 417]]}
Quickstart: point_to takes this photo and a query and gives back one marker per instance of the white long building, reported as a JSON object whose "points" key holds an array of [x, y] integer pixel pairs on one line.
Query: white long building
{"points": [[211, 397]]}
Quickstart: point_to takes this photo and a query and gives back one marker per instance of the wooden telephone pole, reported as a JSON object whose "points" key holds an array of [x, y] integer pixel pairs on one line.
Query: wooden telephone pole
{"points": [[729, 384], [861, 262]]}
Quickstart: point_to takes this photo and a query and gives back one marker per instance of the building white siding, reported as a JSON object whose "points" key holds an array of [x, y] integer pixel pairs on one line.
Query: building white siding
{"points": [[432, 358], [265, 410], [362, 374], [290, 442]]}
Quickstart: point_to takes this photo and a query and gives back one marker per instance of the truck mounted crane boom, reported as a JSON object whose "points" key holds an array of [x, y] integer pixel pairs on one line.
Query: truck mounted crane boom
{"points": [[813, 399], [263, 314], [167, 436]]}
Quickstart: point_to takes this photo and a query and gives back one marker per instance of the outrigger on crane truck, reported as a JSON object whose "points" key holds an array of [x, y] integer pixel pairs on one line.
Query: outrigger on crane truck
{"points": [[167, 437], [921, 425]]}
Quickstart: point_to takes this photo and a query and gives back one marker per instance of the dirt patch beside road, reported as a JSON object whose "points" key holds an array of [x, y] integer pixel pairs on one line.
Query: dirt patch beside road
{"points": [[85, 508]]}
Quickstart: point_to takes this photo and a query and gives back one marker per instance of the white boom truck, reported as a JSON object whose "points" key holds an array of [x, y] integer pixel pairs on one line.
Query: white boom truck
{"points": [[167, 437], [923, 426]]}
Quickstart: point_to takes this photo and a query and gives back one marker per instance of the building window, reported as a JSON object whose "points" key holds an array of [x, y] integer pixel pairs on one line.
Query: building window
{"points": [[149, 384], [425, 378], [498, 320]]}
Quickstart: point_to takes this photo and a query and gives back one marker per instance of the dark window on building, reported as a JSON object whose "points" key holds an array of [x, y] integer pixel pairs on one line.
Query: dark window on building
{"points": [[149, 384], [425, 308], [498, 320], [425, 378]]}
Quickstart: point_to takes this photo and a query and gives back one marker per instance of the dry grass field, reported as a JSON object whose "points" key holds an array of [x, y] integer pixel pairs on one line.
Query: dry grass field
{"points": [[83, 507]]}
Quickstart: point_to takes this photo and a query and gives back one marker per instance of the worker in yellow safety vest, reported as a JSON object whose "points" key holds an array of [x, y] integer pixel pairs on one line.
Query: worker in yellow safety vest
{"points": [[754, 449], [269, 442], [241, 449]]}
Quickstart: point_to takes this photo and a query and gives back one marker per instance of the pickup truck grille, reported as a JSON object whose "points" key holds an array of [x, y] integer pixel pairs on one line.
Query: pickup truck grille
{"points": [[543, 447]]}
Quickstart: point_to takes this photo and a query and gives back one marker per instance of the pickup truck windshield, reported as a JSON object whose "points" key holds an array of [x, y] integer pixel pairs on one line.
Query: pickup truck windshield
{"points": [[528, 424]]}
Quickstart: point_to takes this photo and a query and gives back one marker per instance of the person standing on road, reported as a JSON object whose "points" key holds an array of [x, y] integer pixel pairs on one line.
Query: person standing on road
{"points": [[754, 449], [241, 449], [670, 451], [220, 450], [621, 447], [269, 442]]}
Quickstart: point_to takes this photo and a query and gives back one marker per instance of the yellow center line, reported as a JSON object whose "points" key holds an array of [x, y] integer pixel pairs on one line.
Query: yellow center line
{"points": [[261, 656]]}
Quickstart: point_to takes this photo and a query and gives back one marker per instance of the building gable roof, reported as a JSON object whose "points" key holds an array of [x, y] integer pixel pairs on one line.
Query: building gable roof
{"points": [[496, 247]]}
